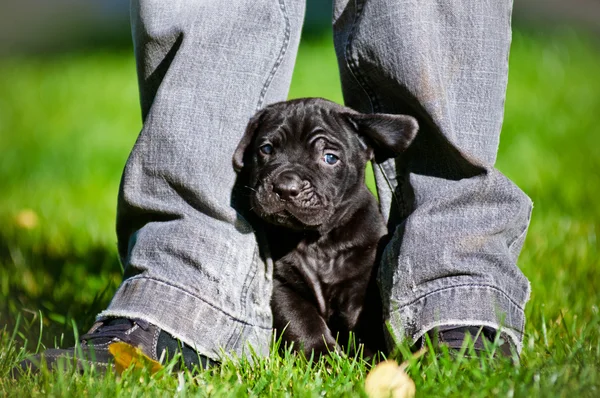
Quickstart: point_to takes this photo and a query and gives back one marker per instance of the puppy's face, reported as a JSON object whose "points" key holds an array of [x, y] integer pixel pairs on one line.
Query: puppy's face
{"points": [[306, 158]]}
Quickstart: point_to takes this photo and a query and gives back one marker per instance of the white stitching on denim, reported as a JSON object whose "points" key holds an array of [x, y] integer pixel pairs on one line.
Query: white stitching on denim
{"points": [[284, 46]]}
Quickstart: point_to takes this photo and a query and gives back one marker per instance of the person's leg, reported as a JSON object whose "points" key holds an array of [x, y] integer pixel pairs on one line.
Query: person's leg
{"points": [[191, 261], [458, 224]]}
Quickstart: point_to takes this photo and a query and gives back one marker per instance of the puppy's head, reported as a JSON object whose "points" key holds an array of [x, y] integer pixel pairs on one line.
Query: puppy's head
{"points": [[306, 158]]}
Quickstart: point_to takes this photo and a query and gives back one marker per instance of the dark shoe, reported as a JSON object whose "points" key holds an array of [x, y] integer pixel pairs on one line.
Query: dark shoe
{"points": [[92, 351], [454, 336]]}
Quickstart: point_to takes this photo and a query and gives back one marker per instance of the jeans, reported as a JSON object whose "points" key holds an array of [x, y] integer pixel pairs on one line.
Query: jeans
{"points": [[192, 263]]}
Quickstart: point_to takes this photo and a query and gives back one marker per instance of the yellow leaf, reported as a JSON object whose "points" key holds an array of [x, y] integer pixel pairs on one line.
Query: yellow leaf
{"points": [[125, 355], [388, 379], [27, 219]]}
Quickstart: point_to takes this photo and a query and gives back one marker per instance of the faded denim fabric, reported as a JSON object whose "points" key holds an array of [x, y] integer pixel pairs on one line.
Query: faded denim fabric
{"points": [[192, 265], [458, 224]]}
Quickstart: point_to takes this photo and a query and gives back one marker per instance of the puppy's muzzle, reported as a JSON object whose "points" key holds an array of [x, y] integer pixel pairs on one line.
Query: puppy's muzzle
{"points": [[288, 186], [288, 199]]}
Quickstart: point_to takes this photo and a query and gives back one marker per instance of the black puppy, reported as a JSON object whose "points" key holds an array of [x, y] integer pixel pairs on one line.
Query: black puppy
{"points": [[305, 161]]}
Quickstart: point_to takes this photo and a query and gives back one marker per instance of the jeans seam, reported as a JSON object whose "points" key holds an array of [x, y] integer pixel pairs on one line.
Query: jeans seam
{"points": [[235, 318], [525, 228], [386, 169], [233, 339], [279, 60], [246, 285], [352, 63], [483, 285], [505, 77], [362, 81]]}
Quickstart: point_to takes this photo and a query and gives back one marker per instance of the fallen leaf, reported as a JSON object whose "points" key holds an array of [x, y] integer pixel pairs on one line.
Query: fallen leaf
{"points": [[125, 355], [388, 379]]}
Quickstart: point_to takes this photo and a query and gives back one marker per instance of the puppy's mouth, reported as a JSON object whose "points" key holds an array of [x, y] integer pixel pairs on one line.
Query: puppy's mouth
{"points": [[306, 211]]}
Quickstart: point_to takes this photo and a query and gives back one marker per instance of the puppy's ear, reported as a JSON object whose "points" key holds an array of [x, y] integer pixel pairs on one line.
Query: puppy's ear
{"points": [[389, 134], [238, 155]]}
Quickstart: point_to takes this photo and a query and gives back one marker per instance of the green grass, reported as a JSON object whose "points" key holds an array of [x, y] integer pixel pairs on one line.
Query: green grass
{"points": [[67, 124]]}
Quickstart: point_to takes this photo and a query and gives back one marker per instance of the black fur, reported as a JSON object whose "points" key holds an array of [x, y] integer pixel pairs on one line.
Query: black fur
{"points": [[323, 224]]}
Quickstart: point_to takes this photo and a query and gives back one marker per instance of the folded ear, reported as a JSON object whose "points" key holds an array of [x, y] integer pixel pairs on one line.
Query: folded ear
{"points": [[388, 134], [238, 155]]}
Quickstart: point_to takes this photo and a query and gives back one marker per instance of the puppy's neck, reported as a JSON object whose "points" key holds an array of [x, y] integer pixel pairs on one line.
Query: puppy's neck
{"points": [[357, 206]]}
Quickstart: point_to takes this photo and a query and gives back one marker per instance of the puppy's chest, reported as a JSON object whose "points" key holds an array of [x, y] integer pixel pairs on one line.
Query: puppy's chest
{"points": [[327, 266], [327, 276]]}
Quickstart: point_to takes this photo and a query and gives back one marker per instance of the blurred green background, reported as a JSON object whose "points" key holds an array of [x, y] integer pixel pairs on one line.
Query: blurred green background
{"points": [[69, 116]]}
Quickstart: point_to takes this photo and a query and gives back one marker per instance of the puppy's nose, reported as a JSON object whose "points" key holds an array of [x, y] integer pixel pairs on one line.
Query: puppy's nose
{"points": [[287, 186]]}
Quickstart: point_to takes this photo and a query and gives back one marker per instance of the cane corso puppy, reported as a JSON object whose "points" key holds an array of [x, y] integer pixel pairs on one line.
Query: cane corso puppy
{"points": [[303, 162]]}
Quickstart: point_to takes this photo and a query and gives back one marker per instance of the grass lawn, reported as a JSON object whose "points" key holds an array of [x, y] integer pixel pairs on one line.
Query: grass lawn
{"points": [[67, 124]]}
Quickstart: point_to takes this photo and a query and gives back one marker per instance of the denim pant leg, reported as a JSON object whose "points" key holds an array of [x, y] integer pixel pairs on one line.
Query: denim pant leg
{"points": [[191, 262], [458, 224]]}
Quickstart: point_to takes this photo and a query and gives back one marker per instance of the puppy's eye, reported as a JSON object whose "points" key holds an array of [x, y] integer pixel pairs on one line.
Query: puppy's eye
{"points": [[266, 149], [330, 158]]}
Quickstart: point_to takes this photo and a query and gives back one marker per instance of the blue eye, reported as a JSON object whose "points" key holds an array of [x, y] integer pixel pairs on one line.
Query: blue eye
{"points": [[267, 149], [330, 158]]}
